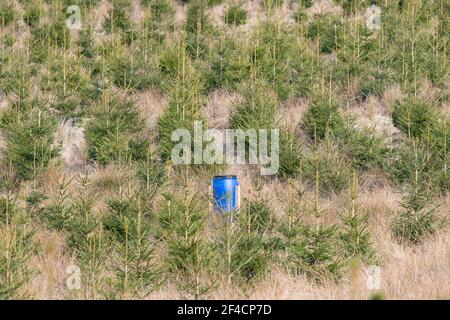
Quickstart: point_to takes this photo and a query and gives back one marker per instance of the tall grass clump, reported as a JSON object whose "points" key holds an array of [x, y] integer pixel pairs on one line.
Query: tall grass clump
{"points": [[7, 13]]}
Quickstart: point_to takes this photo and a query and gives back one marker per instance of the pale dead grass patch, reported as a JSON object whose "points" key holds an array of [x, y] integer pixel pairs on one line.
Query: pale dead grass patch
{"points": [[390, 96], [180, 14], [51, 265], [291, 112], [100, 14], [254, 15], [152, 104], [372, 114], [321, 7], [137, 12], [219, 106], [73, 145], [216, 14]]}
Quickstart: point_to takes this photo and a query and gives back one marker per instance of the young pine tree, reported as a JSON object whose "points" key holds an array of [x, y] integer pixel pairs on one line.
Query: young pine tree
{"points": [[244, 242], [355, 235], [181, 226]]}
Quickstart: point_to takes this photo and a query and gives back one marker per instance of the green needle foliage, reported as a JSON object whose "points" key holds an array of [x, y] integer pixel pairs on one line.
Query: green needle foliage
{"points": [[17, 247], [314, 253], [414, 117], [32, 14], [311, 248], [230, 64], [355, 235], [291, 158], [119, 20], [325, 30], [53, 34], [116, 133], [271, 56], [243, 243], [30, 138], [374, 82], [135, 269], [186, 102], [322, 116], [235, 15], [258, 110], [418, 218], [364, 146], [182, 221], [159, 18], [131, 220], [83, 221], [409, 158], [198, 29], [129, 72], [59, 214], [327, 166]]}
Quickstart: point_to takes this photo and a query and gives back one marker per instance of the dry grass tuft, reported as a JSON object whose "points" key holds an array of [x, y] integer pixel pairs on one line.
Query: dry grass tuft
{"points": [[321, 7], [219, 107], [373, 114], [73, 145], [152, 103], [51, 266]]}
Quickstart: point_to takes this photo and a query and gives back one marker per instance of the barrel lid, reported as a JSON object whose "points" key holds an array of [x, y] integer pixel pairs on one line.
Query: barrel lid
{"points": [[226, 177]]}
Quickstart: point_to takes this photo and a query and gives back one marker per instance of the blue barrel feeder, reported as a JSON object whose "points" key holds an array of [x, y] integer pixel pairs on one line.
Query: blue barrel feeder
{"points": [[226, 193]]}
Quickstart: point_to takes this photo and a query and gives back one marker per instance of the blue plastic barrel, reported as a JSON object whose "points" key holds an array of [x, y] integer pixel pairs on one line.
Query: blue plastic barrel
{"points": [[226, 193]]}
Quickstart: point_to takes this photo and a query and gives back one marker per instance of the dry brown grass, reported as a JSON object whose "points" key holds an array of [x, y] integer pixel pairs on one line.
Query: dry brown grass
{"points": [[324, 7], [50, 266], [151, 104], [219, 106], [373, 114], [73, 145]]}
